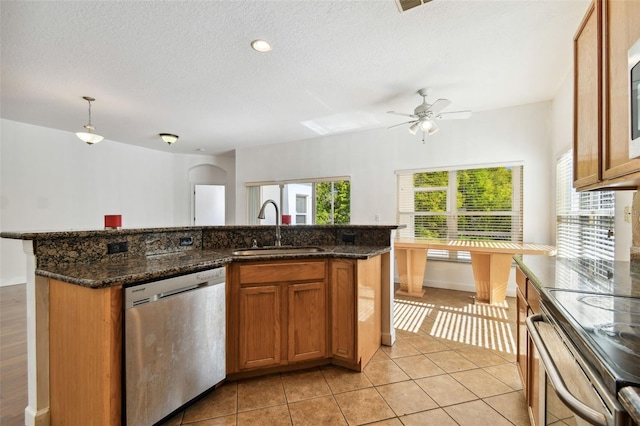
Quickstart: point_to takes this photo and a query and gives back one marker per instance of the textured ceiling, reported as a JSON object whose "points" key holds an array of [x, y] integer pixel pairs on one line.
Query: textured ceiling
{"points": [[186, 67]]}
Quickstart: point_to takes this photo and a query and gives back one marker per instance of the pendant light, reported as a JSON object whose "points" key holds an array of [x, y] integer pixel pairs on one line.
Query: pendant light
{"points": [[89, 137], [169, 137]]}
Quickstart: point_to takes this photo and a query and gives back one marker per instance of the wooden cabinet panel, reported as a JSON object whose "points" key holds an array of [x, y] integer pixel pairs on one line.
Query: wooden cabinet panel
{"points": [[533, 298], [621, 29], [307, 321], [85, 343], [587, 124], [522, 338], [278, 272], [521, 281], [259, 336], [343, 310], [369, 307]]}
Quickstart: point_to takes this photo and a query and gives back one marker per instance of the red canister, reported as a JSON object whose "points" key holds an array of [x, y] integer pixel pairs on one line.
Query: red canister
{"points": [[112, 221]]}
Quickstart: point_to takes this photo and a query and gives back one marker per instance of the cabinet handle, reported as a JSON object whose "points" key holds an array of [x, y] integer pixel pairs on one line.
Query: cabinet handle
{"points": [[577, 406]]}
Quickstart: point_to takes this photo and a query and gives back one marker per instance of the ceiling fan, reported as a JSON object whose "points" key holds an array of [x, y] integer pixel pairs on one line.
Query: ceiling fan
{"points": [[425, 114]]}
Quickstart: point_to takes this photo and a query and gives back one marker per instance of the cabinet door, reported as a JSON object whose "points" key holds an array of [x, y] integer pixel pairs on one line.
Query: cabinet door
{"points": [[307, 318], [522, 339], [259, 335], [343, 310], [621, 30], [587, 128]]}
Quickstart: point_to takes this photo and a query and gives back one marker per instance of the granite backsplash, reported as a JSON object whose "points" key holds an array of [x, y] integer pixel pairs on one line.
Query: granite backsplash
{"points": [[92, 246]]}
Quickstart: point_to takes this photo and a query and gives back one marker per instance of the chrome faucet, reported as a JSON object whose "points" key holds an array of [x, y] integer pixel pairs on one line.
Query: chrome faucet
{"points": [[261, 216]]}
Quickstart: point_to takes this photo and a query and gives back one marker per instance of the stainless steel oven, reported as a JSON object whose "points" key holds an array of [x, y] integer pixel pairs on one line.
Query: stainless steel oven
{"points": [[571, 391]]}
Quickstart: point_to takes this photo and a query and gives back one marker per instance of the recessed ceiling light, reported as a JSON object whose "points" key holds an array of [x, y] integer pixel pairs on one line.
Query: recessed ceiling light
{"points": [[261, 45]]}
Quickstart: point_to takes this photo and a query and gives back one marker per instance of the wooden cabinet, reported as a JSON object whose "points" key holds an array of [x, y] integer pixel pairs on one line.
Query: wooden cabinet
{"points": [[587, 123], [309, 311], [527, 359], [356, 289], [276, 314], [85, 354], [601, 96], [343, 310], [260, 326], [307, 331]]}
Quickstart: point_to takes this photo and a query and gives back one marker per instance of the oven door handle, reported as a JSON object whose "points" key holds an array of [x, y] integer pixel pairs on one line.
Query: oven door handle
{"points": [[577, 406]]}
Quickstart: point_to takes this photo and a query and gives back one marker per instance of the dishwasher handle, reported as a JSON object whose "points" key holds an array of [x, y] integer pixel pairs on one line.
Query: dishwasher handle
{"points": [[577, 406]]}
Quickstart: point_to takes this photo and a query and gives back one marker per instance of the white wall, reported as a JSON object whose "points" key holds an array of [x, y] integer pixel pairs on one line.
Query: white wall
{"points": [[52, 181], [371, 157]]}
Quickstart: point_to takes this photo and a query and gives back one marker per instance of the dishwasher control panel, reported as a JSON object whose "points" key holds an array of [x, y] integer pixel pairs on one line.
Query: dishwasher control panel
{"points": [[154, 291]]}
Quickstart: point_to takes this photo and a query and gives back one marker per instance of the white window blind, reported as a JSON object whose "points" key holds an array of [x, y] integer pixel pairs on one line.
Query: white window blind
{"points": [[585, 220], [480, 203]]}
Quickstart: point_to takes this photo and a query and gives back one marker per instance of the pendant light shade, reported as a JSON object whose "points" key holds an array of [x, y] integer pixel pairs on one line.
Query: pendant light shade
{"points": [[169, 137], [89, 137]]}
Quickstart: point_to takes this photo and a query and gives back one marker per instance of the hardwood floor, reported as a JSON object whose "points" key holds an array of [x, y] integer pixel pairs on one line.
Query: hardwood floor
{"points": [[13, 355]]}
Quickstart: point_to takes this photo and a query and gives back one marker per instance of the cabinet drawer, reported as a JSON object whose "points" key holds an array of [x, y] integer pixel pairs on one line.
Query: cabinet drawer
{"points": [[521, 281], [282, 272], [533, 297]]}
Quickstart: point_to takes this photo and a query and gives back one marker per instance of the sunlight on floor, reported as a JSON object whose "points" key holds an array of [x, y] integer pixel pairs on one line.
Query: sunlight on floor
{"points": [[408, 315], [479, 325]]}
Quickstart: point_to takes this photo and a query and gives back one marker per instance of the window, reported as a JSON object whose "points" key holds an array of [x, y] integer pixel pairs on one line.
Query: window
{"points": [[321, 201], [585, 220], [301, 209], [479, 203]]}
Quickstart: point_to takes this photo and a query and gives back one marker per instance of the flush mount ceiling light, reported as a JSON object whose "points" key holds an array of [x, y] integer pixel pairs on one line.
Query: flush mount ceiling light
{"points": [[169, 137], [89, 137], [261, 45]]}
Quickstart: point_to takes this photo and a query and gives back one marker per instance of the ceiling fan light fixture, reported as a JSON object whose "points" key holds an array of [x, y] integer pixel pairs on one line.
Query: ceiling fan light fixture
{"points": [[413, 129], [169, 138], [427, 125], [432, 129], [89, 137]]}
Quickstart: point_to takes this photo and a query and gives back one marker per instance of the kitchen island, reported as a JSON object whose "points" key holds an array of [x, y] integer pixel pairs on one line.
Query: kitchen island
{"points": [[73, 274]]}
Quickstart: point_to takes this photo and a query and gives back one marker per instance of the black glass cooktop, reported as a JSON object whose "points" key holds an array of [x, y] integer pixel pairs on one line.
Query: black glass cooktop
{"points": [[606, 330]]}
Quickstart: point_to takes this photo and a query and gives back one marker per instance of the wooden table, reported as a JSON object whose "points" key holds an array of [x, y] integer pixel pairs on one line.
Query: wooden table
{"points": [[490, 260]]}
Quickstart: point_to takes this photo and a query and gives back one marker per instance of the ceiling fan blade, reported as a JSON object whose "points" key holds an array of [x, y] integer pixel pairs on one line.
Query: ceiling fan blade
{"points": [[439, 105], [454, 115], [406, 122], [405, 115]]}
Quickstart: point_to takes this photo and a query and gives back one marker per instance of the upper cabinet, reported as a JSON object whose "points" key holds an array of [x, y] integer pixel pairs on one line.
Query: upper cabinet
{"points": [[601, 96]]}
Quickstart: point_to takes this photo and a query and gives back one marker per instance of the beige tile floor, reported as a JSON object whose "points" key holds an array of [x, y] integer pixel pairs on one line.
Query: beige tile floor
{"points": [[453, 364]]}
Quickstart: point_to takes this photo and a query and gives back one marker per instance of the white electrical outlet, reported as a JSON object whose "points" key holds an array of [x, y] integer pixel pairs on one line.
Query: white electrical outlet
{"points": [[377, 218]]}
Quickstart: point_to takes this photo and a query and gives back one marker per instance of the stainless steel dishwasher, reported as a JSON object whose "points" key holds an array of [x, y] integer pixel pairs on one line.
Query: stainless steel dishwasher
{"points": [[174, 332]]}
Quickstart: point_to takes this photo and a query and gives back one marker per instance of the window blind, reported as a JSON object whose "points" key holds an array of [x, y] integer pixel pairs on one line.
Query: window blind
{"points": [[482, 203], [585, 220]]}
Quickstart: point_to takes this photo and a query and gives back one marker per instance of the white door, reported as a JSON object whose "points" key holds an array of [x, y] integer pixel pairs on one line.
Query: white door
{"points": [[209, 205]]}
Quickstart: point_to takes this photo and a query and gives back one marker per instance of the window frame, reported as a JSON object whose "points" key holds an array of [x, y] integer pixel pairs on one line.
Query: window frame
{"points": [[452, 214]]}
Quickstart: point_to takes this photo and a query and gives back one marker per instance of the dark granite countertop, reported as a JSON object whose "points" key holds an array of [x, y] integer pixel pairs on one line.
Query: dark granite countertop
{"points": [[84, 233], [150, 268], [621, 278]]}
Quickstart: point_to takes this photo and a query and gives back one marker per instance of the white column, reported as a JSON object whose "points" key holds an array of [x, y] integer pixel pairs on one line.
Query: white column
{"points": [[37, 412]]}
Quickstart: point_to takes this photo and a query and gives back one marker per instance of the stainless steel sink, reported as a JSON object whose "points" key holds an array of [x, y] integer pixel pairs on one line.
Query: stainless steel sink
{"points": [[256, 251]]}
